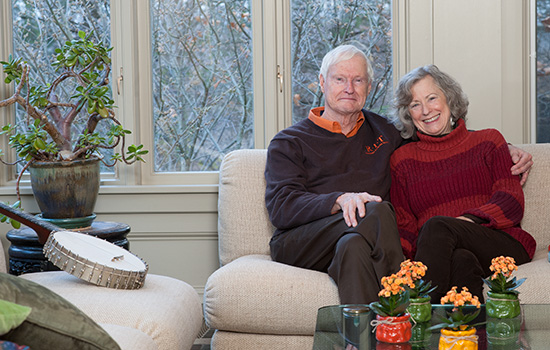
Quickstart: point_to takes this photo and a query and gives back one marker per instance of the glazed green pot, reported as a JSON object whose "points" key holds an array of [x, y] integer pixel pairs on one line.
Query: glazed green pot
{"points": [[500, 305], [65, 189], [420, 309]]}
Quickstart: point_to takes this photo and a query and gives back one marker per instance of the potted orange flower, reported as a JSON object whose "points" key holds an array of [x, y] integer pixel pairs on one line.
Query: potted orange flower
{"points": [[392, 320], [420, 307], [502, 297], [456, 331]]}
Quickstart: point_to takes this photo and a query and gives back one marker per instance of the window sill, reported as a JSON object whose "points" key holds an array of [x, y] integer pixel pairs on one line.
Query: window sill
{"points": [[145, 189]]}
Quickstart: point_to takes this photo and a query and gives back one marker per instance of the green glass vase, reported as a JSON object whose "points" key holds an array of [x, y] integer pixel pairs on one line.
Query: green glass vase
{"points": [[420, 335], [501, 305], [503, 331]]}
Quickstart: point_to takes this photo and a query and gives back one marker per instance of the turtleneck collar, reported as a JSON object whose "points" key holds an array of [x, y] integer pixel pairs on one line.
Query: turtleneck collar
{"points": [[439, 143]]}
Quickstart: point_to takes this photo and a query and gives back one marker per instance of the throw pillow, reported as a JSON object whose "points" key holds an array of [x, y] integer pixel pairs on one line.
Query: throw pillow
{"points": [[11, 315], [54, 323]]}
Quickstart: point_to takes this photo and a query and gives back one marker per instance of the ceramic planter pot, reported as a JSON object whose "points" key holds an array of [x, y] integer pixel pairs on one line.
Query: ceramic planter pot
{"points": [[393, 329], [420, 309], [458, 340], [500, 305], [65, 189]]}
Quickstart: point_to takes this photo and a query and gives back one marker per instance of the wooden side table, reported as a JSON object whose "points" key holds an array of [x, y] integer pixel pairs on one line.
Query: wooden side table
{"points": [[25, 252]]}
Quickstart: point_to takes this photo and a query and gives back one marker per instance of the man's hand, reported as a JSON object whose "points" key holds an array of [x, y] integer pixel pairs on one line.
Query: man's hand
{"points": [[523, 161], [464, 218], [350, 203]]}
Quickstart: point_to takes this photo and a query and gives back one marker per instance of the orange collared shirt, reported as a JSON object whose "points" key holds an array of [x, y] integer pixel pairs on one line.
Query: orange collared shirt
{"points": [[332, 126]]}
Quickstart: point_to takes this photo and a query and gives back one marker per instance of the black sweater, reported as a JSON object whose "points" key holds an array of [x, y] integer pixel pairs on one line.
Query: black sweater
{"points": [[309, 167]]}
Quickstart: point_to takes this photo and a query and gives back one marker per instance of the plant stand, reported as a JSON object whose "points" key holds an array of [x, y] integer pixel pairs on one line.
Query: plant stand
{"points": [[25, 252]]}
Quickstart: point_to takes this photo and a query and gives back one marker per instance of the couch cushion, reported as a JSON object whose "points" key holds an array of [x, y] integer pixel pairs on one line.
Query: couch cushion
{"points": [[243, 223], [166, 309], [537, 193], [535, 288], [254, 294], [129, 338], [54, 323]]}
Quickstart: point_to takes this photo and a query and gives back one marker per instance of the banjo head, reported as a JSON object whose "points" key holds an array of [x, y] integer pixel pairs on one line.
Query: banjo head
{"points": [[95, 260]]}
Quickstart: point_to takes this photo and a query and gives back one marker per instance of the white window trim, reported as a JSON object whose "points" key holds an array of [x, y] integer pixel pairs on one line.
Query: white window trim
{"points": [[532, 85]]}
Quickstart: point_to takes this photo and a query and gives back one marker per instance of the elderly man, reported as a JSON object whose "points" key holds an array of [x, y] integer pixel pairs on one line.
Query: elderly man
{"points": [[328, 181]]}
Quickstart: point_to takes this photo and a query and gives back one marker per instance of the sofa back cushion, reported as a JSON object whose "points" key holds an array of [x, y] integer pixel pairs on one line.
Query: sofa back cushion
{"points": [[243, 223], [536, 219], [244, 227]]}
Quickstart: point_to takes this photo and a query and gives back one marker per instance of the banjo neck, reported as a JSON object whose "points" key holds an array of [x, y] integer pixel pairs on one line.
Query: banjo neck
{"points": [[41, 227]]}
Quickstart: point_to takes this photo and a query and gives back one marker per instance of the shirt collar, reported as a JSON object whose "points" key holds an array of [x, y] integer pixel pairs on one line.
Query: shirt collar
{"points": [[315, 115]]}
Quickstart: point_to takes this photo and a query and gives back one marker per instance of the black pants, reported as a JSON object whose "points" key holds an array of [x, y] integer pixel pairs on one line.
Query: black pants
{"points": [[459, 253], [356, 258]]}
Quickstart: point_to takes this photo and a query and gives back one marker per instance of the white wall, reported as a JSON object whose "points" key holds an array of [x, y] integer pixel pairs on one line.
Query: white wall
{"points": [[484, 45]]}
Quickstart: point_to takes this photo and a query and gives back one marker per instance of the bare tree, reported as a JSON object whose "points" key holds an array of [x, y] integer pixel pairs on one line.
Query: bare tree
{"points": [[319, 26], [203, 82], [203, 70]]}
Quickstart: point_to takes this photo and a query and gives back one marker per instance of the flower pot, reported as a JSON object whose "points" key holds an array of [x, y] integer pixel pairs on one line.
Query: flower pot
{"points": [[393, 329], [500, 305], [458, 339], [66, 189], [503, 331], [420, 309]]}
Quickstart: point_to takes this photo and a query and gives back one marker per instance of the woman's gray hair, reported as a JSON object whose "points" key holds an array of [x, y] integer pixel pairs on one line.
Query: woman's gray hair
{"points": [[343, 53], [456, 98]]}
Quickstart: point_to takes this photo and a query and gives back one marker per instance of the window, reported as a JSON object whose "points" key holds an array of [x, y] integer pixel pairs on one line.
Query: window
{"points": [[319, 26], [202, 82], [543, 71], [192, 78], [40, 27]]}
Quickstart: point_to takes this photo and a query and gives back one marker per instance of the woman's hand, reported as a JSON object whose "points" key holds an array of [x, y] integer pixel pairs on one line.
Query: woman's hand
{"points": [[352, 202], [523, 161]]}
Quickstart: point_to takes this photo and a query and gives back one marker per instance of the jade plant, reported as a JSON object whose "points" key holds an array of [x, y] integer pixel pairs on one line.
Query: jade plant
{"points": [[49, 133]]}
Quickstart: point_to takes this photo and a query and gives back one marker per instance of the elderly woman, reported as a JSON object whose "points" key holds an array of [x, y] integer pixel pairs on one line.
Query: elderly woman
{"points": [[457, 204]]}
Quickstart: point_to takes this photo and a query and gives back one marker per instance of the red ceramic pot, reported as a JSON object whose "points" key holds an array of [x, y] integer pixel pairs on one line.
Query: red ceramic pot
{"points": [[393, 329]]}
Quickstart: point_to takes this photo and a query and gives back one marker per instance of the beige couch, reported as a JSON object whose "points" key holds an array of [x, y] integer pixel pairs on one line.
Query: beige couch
{"points": [[256, 303], [164, 314]]}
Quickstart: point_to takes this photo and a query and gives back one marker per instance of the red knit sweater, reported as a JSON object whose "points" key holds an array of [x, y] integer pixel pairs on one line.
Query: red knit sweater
{"points": [[464, 172]]}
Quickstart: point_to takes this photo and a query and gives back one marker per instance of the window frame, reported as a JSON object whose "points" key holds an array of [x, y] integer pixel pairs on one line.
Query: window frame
{"points": [[130, 36]]}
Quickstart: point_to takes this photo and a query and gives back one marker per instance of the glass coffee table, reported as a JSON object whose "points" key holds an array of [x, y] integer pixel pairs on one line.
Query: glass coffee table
{"points": [[341, 325]]}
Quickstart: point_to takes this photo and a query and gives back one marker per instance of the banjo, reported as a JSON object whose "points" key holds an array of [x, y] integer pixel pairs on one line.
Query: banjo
{"points": [[87, 257]]}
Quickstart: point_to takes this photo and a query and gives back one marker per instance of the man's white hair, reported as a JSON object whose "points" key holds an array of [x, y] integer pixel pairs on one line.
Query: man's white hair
{"points": [[343, 53]]}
